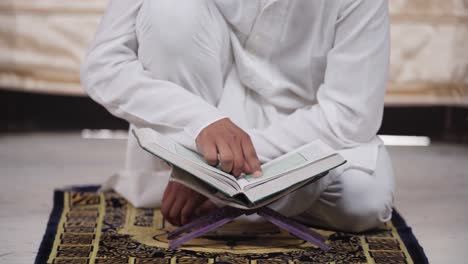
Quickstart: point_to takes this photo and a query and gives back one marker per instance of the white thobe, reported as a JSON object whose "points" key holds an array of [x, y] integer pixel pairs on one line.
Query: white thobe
{"points": [[286, 71]]}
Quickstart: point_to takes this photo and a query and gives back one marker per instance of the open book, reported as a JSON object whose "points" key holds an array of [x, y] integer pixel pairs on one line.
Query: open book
{"points": [[281, 176]]}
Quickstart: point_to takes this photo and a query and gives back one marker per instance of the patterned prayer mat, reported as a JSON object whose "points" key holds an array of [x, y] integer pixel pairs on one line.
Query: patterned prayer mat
{"points": [[89, 227]]}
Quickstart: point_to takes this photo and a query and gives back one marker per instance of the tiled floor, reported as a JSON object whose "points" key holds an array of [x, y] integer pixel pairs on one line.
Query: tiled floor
{"points": [[432, 189]]}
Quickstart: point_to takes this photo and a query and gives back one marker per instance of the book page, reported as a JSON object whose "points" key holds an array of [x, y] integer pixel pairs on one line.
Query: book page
{"points": [[301, 157], [272, 169], [179, 150], [310, 172]]}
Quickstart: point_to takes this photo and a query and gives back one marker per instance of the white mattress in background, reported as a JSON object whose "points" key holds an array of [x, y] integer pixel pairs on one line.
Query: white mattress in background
{"points": [[42, 43]]}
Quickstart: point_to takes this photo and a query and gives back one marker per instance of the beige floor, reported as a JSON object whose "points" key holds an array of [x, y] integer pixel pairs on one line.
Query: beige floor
{"points": [[432, 189]]}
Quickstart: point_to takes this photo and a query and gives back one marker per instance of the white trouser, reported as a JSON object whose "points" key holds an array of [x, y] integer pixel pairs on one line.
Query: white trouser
{"points": [[189, 44]]}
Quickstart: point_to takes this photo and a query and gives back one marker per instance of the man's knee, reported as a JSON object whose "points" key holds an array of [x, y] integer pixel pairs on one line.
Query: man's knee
{"points": [[364, 203], [367, 216]]}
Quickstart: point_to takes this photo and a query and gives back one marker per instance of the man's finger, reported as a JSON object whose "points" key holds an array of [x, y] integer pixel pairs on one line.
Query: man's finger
{"points": [[250, 156], [205, 208], [168, 190], [189, 208], [174, 214], [208, 148], [247, 168], [238, 158], [226, 158], [168, 200]]}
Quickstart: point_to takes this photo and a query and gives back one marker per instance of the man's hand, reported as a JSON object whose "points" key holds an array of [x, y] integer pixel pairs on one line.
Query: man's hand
{"points": [[181, 203], [225, 143]]}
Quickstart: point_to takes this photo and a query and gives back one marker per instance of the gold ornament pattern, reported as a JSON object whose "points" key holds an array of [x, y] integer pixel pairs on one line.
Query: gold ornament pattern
{"points": [[99, 228]]}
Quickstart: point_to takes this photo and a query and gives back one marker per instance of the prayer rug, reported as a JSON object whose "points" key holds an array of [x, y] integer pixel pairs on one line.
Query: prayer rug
{"points": [[90, 227]]}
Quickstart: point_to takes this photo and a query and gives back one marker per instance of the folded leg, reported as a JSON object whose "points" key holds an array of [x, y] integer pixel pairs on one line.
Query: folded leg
{"points": [[348, 199], [356, 201]]}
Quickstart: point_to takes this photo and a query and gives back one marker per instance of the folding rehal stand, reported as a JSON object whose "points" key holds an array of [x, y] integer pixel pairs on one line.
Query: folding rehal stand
{"points": [[222, 216]]}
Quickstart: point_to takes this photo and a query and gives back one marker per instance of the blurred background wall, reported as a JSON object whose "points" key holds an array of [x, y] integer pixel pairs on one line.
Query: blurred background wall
{"points": [[42, 43], [429, 52]]}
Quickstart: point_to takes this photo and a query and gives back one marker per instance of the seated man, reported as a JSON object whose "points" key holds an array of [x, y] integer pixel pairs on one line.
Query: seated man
{"points": [[243, 82]]}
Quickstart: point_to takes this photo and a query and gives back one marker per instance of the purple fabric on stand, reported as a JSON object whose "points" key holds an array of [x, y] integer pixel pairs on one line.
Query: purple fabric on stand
{"points": [[225, 215], [217, 215], [269, 211], [199, 232], [293, 227]]}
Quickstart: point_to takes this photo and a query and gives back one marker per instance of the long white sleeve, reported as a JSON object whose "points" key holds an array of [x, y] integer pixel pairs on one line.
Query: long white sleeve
{"points": [[133, 68], [351, 98], [114, 77]]}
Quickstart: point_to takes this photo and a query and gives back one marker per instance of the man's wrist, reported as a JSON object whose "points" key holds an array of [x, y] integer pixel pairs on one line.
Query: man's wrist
{"points": [[197, 125]]}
